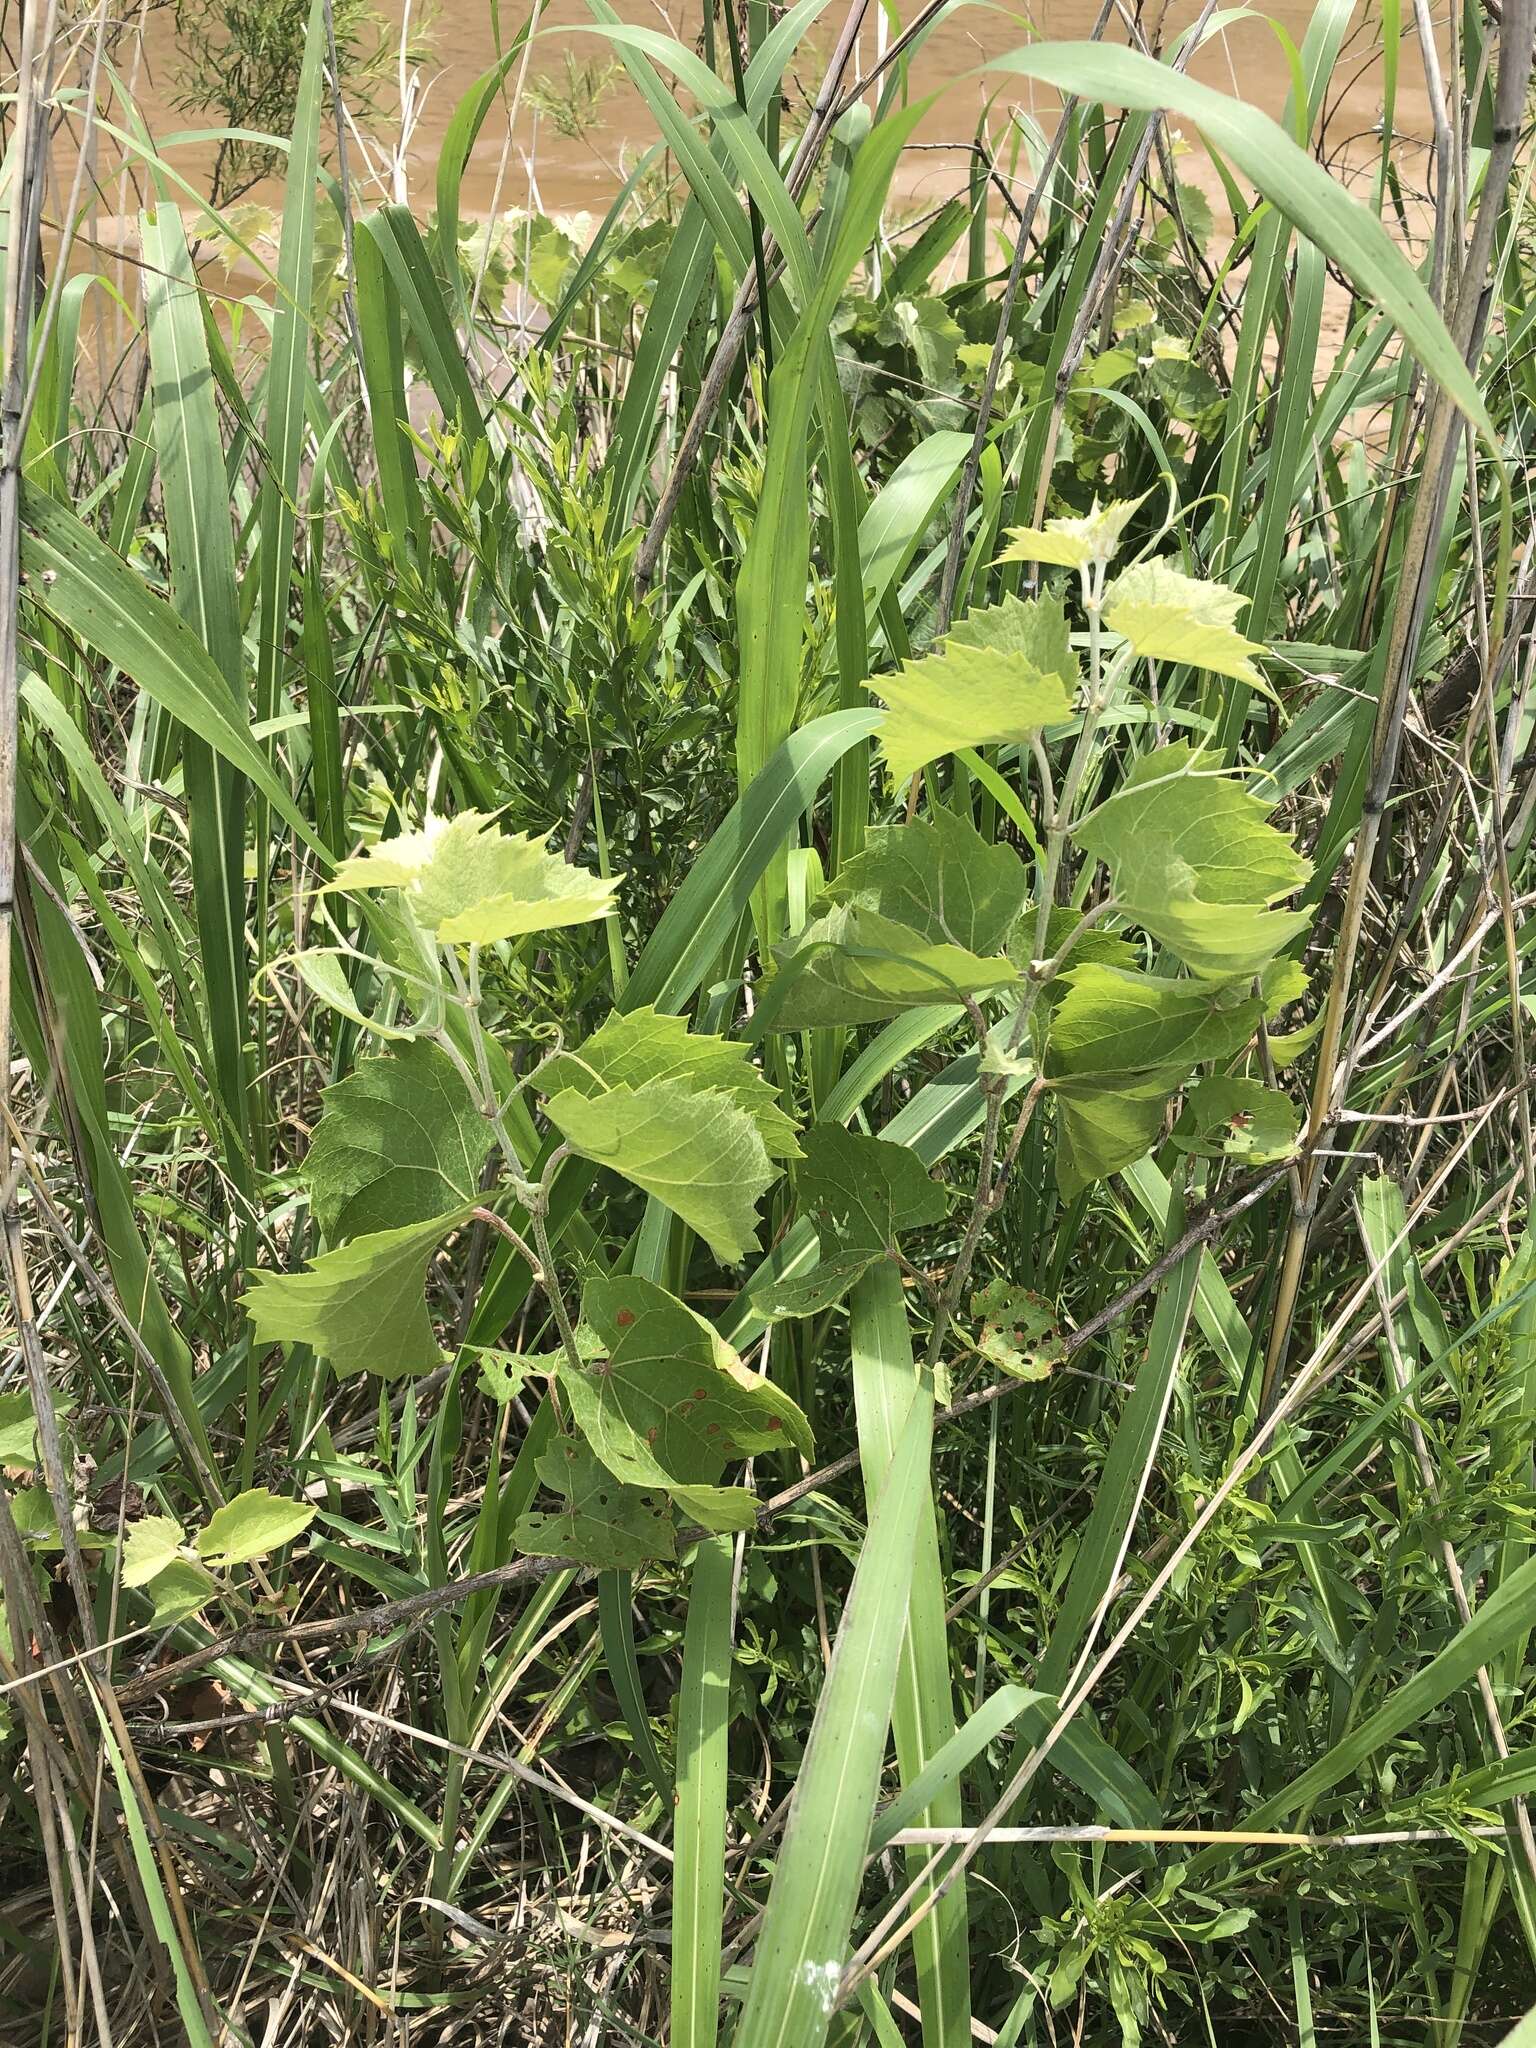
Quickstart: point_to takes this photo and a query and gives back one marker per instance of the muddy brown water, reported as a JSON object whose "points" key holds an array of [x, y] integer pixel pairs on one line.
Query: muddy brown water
{"points": [[565, 165]]}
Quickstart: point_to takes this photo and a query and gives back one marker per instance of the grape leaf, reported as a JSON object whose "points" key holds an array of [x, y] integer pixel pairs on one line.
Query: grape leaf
{"points": [[18, 1426], [939, 877], [1168, 616], [853, 966], [467, 882], [1114, 1021], [149, 1546], [1074, 543], [671, 1403], [696, 1150], [601, 1523], [1195, 861], [362, 1306], [636, 1047], [866, 1189], [1018, 1330], [179, 1590], [1105, 1123], [252, 1524], [965, 697], [1225, 1116], [1035, 627], [401, 1139], [777, 1297]]}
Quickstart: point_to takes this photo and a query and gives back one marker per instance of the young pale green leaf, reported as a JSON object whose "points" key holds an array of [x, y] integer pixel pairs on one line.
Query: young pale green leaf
{"points": [[1225, 1116], [853, 966], [670, 1404], [1168, 616], [178, 1590], [939, 877], [867, 1189], [636, 1047], [471, 884], [18, 1426], [601, 1521], [249, 1526], [1074, 543], [965, 697], [1113, 1021], [1035, 627], [362, 1306], [503, 1374], [149, 1546], [1106, 1123], [1195, 861], [400, 1140], [696, 1150]]}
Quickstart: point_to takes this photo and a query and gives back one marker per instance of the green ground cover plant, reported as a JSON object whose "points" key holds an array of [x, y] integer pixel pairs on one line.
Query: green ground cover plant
{"points": [[765, 1147]]}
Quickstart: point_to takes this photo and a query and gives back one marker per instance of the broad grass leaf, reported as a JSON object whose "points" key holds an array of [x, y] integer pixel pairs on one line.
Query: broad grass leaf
{"points": [[471, 884], [853, 966], [399, 1141], [1112, 1021], [636, 1047], [670, 1404], [697, 1150], [939, 877], [1286, 175], [362, 1306], [1194, 860], [149, 1546], [1225, 1116], [601, 1522], [251, 1525], [1073, 543], [18, 1426], [964, 697], [1168, 616]]}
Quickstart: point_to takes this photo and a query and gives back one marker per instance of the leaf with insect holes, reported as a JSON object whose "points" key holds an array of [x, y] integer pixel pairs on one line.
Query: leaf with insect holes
{"points": [[1168, 616], [964, 697], [179, 1590], [472, 884], [601, 1521], [1195, 861], [1114, 1021], [503, 1374], [1106, 1123], [1074, 543], [635, 1047], [940, 878], [362, 1306], [853, 966], [670, 1404], [1225, 1116], [251, 1525], [1018, 1330], [696, 1150], [149, 1546], [401, 1139]]}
